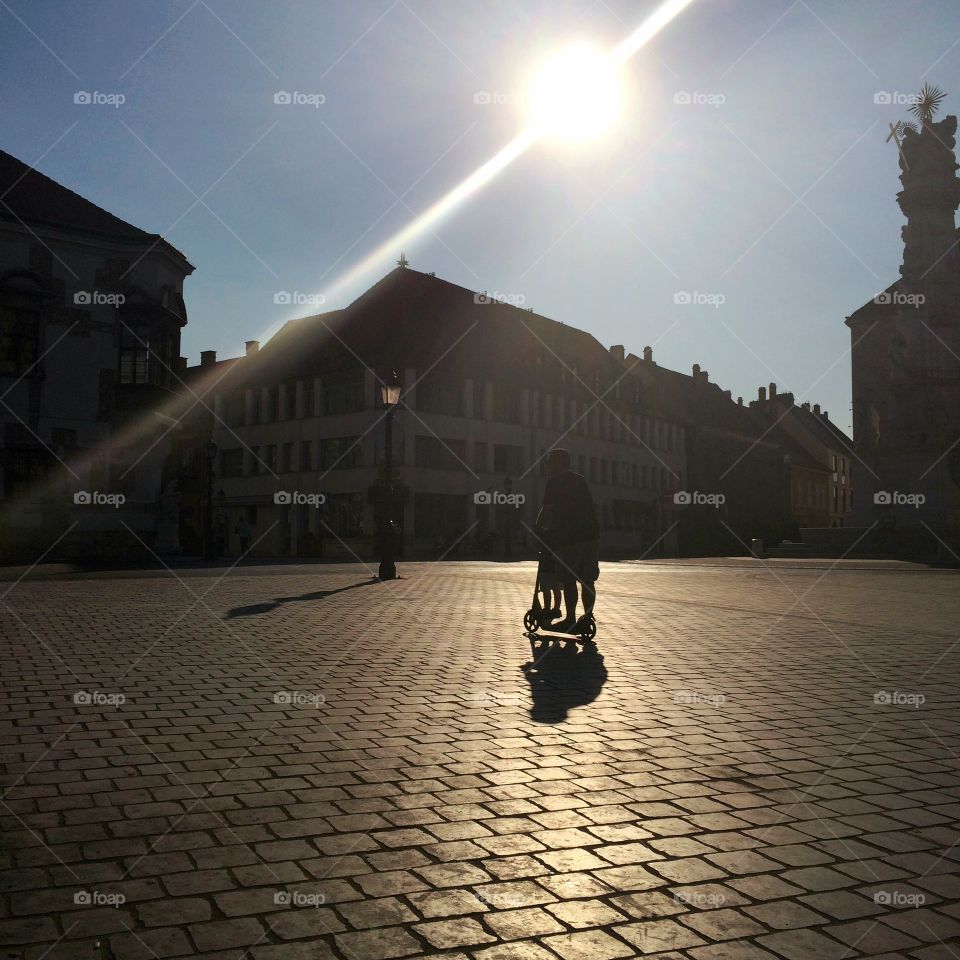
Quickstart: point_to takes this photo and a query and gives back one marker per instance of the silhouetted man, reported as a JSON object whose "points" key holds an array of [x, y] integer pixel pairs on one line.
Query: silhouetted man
{"points": [[569, 517]]}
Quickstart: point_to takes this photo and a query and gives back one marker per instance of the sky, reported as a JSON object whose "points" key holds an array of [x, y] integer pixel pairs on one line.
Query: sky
{"points": [[742, 206]]}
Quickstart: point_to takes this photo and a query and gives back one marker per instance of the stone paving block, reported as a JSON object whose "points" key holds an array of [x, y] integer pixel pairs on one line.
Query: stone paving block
{"points": [[658, 935], [804, 945], [385, 943], [588, 945], [527, 922]]}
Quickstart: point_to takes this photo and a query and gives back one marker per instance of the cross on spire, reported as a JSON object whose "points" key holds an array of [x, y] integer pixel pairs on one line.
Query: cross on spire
{"points": [[403, 262]]}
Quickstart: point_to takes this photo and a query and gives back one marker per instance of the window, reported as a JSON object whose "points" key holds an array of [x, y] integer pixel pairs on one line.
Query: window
{"points": [[439, 515], [255, 461], [231, 462], [256, 406], [479, 394], [24, 468], [19, 336], [343, 514], [507, 459], [271, 457], [339, 453], [286, 458], [233, 408], [480, 457], [306, 455], [438, 396], [134, 354], [343, 392], [506, 402], [436, 454], [308, 397], [289, 411]]}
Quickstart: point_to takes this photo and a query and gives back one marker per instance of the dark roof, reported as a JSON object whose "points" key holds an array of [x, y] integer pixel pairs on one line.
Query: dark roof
{"points": [[413, 319], [27, 195]]}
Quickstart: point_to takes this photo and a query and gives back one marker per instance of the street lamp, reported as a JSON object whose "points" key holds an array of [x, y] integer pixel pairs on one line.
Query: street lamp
{"points": [[390, 395], [209, 551]]}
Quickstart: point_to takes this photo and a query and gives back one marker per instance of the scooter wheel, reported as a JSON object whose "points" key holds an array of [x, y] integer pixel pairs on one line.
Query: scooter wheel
{"points": [[589, 631], [530, 621]]}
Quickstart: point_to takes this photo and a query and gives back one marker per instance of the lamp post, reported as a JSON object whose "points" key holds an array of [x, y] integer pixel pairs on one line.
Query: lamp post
{"points": [[209, 551], [390, 395]]}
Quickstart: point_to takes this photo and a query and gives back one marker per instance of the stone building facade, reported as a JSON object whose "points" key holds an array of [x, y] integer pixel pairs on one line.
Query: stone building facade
{"points": [[488, 389], [91, 310]]}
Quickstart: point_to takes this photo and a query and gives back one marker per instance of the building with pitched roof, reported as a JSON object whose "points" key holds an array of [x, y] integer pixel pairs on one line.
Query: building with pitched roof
{"points": [[489, 387], [91, 310]]}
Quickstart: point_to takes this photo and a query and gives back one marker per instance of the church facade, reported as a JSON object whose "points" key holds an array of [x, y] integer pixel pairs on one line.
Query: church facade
{"points": [[905, 350]]}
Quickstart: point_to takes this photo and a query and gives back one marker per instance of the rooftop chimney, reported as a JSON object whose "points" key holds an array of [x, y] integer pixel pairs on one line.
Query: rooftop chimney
{"points": [[617, 351], [182, 363], [728, 394], [762, 393], [816, 409], [253, 346], [739, 401], [648, 354], [805, 406], [208, 358], [773, 391], [826, 416], [696, 370]]}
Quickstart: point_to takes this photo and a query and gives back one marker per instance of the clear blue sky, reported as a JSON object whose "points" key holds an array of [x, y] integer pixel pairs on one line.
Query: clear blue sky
{"points": [[681, 197]]}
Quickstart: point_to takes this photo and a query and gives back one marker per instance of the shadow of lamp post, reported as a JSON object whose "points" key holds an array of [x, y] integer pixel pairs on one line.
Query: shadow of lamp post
{"points": [[390, 395]]}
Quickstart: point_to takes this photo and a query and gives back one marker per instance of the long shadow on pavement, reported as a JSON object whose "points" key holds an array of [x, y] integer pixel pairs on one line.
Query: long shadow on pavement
{"points": [[256, 608], [562, 675]]}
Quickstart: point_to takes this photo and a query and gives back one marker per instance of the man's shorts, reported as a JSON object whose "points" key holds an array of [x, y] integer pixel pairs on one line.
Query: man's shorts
{"points": [[578, 561]]}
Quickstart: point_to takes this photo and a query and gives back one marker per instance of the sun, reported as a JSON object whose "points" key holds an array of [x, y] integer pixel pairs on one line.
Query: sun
{"points": [[575, 95]]}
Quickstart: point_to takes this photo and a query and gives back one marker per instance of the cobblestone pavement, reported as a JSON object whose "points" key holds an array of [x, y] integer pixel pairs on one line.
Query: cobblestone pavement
{"points": [[295, 763]]}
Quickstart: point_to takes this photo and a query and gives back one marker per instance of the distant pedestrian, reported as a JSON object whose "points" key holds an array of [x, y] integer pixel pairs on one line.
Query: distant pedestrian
{"points": [[242, 530]]}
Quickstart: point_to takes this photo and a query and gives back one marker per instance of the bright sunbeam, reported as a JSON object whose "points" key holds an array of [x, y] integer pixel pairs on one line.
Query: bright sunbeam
{"points": [[577, 94]]}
